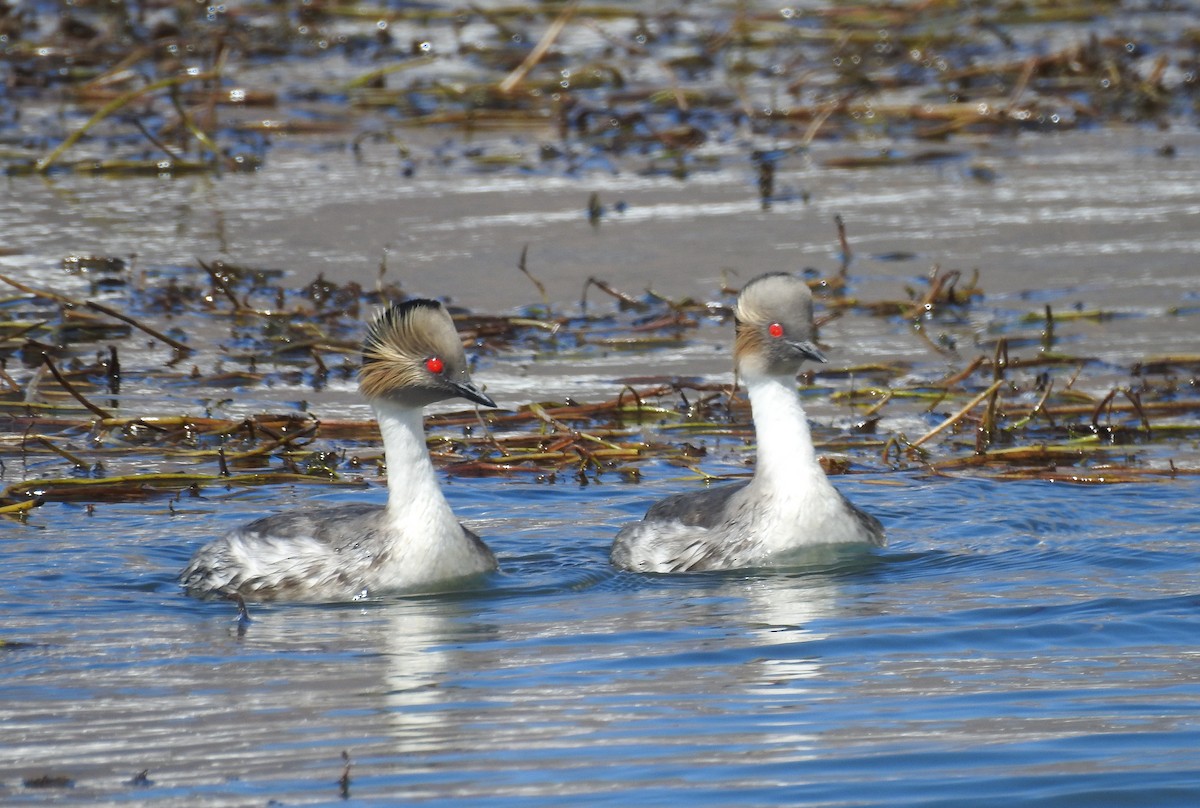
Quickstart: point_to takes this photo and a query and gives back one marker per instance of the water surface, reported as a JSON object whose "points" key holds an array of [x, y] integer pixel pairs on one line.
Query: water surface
{"points": [[1018, 642], [1042, 651]]}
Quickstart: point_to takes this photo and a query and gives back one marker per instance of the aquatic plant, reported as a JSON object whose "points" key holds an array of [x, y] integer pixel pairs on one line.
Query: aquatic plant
{"points": [[175, 87], [1041, 413]]}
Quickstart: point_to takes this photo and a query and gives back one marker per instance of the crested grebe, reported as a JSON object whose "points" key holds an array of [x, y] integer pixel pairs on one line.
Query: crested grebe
{"points": [[789, 504], [412, 356]]}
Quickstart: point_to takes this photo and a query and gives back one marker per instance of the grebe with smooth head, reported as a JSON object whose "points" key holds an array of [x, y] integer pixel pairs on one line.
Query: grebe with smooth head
{"points": [[412, 356], [789, 505]]}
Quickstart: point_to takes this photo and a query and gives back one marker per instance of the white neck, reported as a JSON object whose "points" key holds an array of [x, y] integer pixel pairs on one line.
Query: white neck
{"points": [[785, 448], [414, 496]]}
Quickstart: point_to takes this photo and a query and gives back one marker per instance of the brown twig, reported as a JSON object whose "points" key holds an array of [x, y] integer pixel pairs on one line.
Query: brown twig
{"points": [[1136, 401], [541, 287], [843, 242], [43, 293], [68, 302], [1100, 407], [44, 163], [73, 459], [518, 74], [605, 287], [116, 315], [221, 286], [1027, 70], [952, 380], [71, 389], [958, 416]]}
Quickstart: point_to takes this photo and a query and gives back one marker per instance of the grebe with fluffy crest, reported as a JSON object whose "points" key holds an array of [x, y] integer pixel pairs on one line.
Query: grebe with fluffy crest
{"points": [[412, 357]]}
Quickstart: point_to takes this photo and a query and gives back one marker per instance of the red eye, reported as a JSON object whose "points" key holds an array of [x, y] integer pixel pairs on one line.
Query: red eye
{"points": [[775, 330], [434, 365]]}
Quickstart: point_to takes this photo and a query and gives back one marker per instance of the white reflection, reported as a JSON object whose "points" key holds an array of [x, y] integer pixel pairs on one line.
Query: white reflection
{"points": [[780, 611], [421, 642]]}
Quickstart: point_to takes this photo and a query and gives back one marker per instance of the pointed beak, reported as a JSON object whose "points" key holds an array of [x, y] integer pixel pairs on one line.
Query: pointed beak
{"points": [[809, 351], [470, 392]]}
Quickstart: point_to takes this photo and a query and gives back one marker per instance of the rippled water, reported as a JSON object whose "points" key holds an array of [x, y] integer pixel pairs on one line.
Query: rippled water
{"points": [[1018, 642], [1043, 650]]}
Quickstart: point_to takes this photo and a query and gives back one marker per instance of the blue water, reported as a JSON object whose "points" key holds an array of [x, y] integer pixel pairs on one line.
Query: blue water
{"points": [[1018, 642]]}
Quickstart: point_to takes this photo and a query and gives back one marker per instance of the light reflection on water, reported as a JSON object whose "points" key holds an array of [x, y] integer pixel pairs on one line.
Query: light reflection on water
{"points": [[1016, 640], [1026, 642]]}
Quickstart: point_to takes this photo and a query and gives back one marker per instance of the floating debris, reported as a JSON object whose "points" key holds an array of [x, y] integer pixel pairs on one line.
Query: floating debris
{"points": [[49, 781], [631, 82], [1042, 414]]}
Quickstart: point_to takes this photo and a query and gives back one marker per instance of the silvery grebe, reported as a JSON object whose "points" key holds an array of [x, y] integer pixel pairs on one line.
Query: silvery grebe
{"points": [[412, 356], [789, 504]]}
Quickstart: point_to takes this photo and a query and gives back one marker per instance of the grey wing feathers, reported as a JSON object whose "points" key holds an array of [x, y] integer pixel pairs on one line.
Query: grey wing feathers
{"points": [[671, 537], [216, 570], [479, 543], [704, 508], [337, 527], [871, 527]]}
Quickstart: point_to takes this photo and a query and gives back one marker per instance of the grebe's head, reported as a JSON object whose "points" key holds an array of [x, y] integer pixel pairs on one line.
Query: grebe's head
{"points": [[413, 356], [774, 316]]}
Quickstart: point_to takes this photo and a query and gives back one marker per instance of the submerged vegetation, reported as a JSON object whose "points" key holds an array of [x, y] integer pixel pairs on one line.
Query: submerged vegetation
{"points": [[71, 432]]}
